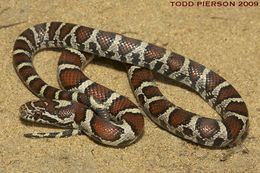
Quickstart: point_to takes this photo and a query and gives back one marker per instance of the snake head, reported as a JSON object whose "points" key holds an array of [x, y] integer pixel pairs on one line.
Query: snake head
{"points": [[57, 113], [34, 111]]}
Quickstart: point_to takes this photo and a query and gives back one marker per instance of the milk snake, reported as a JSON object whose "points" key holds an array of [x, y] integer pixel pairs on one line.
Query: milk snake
{"points": [[108, 117]]}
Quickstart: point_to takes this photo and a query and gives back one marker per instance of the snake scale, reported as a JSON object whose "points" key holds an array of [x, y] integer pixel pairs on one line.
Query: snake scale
{"points": [[107, 117]]}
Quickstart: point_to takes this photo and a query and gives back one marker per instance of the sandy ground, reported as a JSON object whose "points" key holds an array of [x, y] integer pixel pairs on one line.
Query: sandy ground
{"points": [[225, 39]]}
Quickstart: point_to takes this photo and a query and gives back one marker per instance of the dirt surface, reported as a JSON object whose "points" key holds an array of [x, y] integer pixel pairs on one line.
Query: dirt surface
{"points": [[225, 39]]}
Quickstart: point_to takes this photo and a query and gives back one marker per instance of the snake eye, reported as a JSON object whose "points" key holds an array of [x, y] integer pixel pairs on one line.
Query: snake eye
{"points": [[37, 114]]}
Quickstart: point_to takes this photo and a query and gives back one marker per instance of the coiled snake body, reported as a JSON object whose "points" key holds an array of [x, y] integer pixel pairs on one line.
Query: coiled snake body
{"points": [[108, 117]]}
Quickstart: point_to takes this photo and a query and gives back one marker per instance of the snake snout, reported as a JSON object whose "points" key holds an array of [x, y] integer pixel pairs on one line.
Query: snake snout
{"points": [[26, 112], [23, 110]]}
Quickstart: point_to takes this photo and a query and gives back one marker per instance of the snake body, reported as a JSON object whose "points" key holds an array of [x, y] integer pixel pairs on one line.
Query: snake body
{"points": [[127, 121]]}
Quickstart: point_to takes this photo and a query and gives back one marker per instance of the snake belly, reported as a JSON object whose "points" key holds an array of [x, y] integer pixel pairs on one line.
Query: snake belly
{"points": [[212, 88]]}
